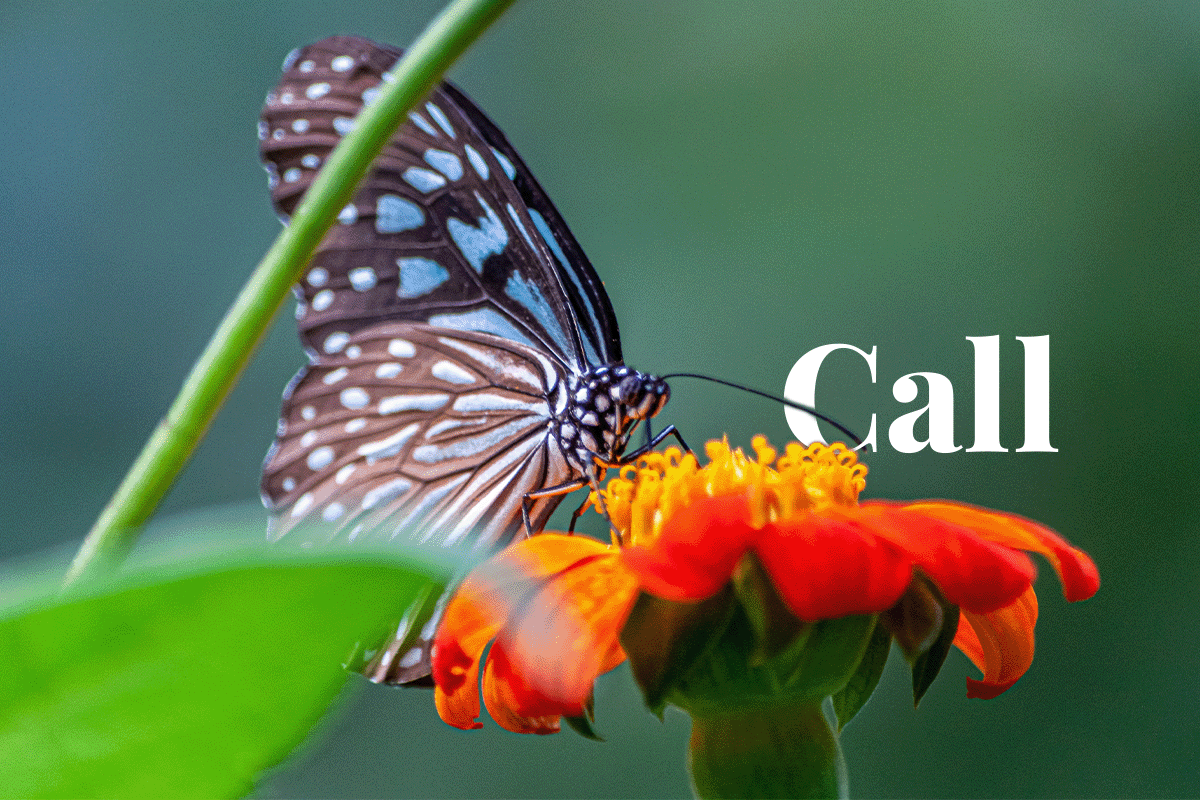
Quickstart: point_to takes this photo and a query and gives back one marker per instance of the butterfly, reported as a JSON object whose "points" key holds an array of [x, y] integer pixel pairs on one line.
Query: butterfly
{"points": [[465, 366]]}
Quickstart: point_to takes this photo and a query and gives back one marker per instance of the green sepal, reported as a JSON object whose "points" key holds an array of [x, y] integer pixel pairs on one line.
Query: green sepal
{"points": [[854, 695], [663, 639], [924, 624], [582, 724], [777, 631], [927, 666]]}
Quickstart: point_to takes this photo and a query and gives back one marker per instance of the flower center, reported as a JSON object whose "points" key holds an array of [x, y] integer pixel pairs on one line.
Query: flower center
{"points": [[644, 495]]}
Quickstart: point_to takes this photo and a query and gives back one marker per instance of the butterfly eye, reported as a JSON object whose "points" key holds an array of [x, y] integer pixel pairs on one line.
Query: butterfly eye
{"points": [[628, 391]]}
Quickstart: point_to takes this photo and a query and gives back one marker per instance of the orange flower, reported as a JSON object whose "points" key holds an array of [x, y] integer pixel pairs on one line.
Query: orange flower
{"points": [[556, 604]]}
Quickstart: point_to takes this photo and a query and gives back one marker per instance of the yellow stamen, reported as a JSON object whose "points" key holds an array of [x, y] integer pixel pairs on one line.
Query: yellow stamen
{"points": [[644, 495]]}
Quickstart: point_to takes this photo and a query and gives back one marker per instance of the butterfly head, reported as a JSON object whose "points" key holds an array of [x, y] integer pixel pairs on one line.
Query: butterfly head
{"points": [[642, 396], [605, 406]]}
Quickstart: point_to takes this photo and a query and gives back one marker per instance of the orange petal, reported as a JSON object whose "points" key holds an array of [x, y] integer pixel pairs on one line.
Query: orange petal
{"points": [[504, 690], [696, 552], [826, 567], [1076, 570], [971, 571], [569, 633], [480, 608], [460, 706], [1000, 644]]}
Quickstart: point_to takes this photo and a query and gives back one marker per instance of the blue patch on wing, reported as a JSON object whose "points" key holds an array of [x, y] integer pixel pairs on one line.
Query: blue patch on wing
{"points": [[419, 276], [445, 163], [476, 244], [531, 298], [483, 320], [593, 325], [394, 214]]}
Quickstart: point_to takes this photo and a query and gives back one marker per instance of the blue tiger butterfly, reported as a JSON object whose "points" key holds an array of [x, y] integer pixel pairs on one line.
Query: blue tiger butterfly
{"points": [[465, 365]]}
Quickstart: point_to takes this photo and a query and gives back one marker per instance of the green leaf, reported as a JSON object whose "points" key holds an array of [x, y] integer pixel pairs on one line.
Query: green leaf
{"points": [[179, 683], [663, 639], [855, 694]]}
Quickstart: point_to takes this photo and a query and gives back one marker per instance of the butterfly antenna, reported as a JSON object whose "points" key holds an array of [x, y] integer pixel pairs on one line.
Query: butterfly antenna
{"points": [[776, 398]]}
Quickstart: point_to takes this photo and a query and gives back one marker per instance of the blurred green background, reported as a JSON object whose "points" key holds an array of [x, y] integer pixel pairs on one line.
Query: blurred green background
{"points": [[751, 180]]}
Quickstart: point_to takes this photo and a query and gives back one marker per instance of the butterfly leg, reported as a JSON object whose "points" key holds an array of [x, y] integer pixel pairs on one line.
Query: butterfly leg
{"points": [[577, 514], [549, 491], [665, 433]]}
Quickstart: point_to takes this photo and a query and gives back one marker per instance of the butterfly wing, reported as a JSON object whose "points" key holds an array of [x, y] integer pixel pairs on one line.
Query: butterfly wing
{"points": [[443, 315], [449, 227], [417, 432]]}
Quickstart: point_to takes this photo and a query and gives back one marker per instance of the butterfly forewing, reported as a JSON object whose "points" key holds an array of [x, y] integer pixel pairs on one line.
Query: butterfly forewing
{"points": [[448, 228]]}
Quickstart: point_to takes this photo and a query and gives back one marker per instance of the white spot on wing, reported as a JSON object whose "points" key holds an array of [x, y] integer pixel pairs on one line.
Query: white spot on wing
{"points": [[388, 370], [412, 402], [411, 658], [402, 348], [484, 401], [354, 398], [474, 445], [308, 412], [308, 438], [322, 300], [308, 65], [348, 215], [487, 359], [344, 473], [392, 445], [333, 512], [343, 125], [384, 492], [335, 342], [342, 64], [363, 279], [318, 277], [289, 484], [300, 126], [320, 458], [302, 505], [292, 175], [450, 372], [355, 425], [311, 161], [335, 376], [316, 91]]}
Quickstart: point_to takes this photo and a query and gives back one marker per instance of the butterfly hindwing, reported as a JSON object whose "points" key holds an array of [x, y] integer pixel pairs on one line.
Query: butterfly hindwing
{"points": [[415, 432]]}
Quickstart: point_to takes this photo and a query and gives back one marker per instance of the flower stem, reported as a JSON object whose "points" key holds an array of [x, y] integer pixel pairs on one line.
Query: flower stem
{"points": [[248, 319], [778, 750]]}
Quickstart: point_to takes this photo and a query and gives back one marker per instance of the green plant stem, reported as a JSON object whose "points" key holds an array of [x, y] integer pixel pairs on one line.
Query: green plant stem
{"points": [[220, 365]]}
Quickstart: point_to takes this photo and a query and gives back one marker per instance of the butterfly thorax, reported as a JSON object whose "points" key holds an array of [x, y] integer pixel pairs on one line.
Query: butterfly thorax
{"points": [[600, 409]]}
